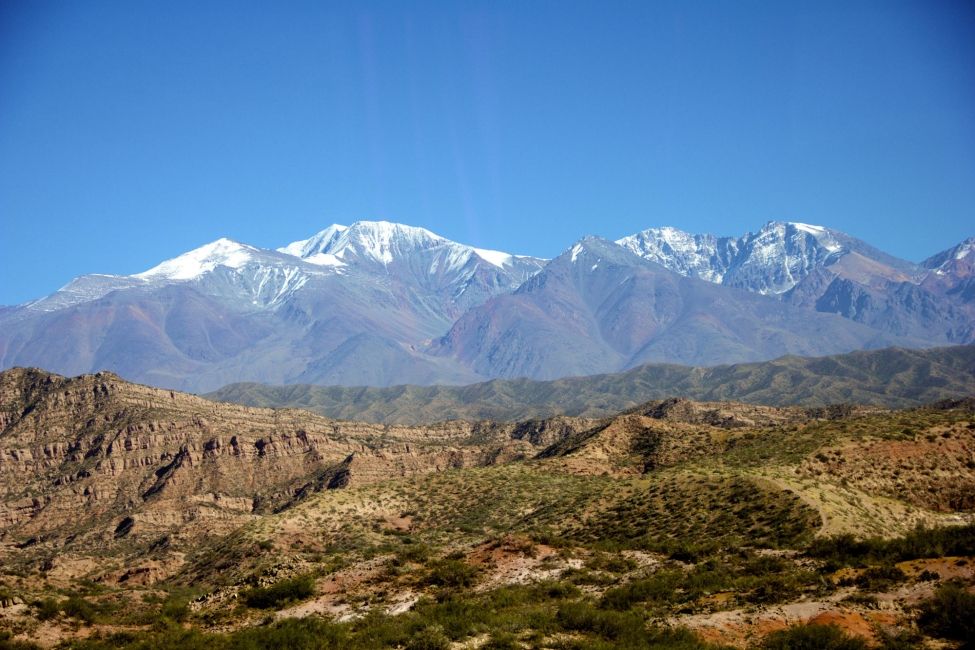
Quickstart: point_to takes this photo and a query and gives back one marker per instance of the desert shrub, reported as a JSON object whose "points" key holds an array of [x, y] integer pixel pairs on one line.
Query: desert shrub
{"points": [[903, 640], [611, 562], [307, 633], [47, 608], [812, 637], [164, 637], [690, 552], [949, 614], [658, 587], [621, 629], [79, 608], [773, 589], [501, 641], [416, 553], [582, 616], [429, 638], [176, 609], [280, 593], [8, 643], [846, 550], [451, 573], [880, 578]]}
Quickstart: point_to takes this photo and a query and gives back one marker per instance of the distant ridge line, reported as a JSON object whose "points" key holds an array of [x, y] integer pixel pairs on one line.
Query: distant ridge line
{"points": [[891, 377]]}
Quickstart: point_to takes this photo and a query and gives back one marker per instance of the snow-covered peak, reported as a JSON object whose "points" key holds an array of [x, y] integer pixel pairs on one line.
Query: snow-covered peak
{"points": [[317, 243], [966, 249], [591, 249], [677, 250], [223, 252], [383, 242], [952, 259], [771, 260], [778, 231], [379, 241]]}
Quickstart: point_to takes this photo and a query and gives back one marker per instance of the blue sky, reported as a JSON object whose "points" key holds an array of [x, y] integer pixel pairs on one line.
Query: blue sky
{"points": [[132, 131]]}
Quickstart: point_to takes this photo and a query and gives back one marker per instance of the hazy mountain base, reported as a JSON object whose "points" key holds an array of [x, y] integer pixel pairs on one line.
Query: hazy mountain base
{"points": [[893, 378], [672, 525]]}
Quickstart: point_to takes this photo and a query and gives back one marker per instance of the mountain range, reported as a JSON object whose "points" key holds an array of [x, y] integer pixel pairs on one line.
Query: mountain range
{"points": [[378, 303]]}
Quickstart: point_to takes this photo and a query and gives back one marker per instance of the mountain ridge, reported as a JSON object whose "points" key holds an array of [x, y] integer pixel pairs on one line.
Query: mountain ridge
{"points": [[893, 378]]}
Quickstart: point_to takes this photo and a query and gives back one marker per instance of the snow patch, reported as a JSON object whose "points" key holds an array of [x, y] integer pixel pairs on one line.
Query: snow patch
{"points": [[497, 258], [223, 252], [317, 243], [324, 259], [813, 230]]}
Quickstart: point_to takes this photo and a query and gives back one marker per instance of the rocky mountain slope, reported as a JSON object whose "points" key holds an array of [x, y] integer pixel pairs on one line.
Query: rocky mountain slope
{"points": [[133, 515], [94, 458], [600, 308], [830, 272], [378, 303]]}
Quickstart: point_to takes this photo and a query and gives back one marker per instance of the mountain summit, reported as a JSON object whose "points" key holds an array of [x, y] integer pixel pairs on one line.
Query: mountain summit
{"points": [[770, 261]]}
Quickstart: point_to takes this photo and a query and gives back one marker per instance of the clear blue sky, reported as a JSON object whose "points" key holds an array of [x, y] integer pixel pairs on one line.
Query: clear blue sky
{"points": [[132, 131]]}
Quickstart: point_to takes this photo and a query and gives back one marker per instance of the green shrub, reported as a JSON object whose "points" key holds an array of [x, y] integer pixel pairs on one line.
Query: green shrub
{"points": [[47, 609], [812, 637], [7, 643], [612, 563], [280, 593], [451, 573], [621, 630], [458, 617], [79, 608], [949, 614], [176, 609], [581, 616], [416, 553], [880, 578], [429, 638], [501, 641], [845, 550], [659, 587]]}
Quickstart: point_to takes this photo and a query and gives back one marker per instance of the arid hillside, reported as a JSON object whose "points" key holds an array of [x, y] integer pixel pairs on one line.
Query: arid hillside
{"points": [[132, 516]]}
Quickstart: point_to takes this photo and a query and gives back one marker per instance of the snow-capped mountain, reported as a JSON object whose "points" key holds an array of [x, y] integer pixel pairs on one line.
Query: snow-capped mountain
{"points": [[257, 276], [348, 305], [696, 256], [946, 261], [464, 274], [379, 303], [383, 243], [828, 271], [770, 261], [952, 272], [600, 308]]}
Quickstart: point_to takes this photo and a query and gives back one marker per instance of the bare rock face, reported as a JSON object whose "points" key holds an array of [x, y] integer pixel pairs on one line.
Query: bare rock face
{"points": [[95, 460]]}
